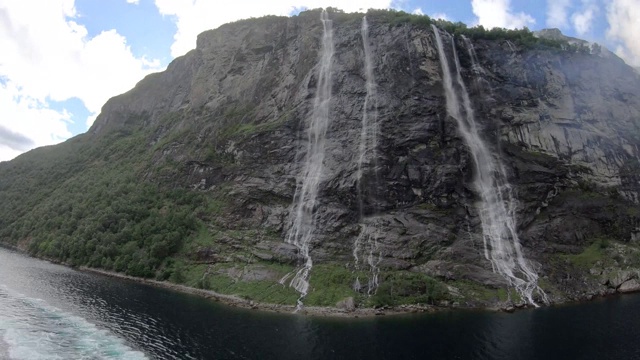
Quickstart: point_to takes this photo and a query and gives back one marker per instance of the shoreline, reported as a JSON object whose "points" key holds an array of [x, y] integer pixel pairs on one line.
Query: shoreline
{"points": [[236, 301], [335, 312], [316, 311]]}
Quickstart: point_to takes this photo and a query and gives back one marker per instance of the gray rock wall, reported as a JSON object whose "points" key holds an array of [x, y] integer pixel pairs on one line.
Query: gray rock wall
{"points": [[566, 124]]}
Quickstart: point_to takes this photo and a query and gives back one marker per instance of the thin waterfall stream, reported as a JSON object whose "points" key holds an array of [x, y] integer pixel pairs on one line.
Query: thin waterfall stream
{"points": [[497, 205], [475, 64], [366, 243], [303, 222]]}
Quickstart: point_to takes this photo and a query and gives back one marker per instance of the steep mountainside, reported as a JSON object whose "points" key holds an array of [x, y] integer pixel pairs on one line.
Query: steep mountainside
{"points": [[194, 175]]}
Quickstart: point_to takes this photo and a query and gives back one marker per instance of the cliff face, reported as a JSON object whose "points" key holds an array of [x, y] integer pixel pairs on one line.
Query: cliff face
{"points": [[228, 122]]}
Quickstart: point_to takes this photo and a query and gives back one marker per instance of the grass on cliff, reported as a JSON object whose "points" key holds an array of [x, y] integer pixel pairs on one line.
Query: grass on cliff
{"points": [[473, 291], [400, 287], [214, 277], [329, 284], [591, 255]]}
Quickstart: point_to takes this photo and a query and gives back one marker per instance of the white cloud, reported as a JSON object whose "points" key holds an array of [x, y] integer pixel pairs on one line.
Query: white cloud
{"points": [[557, 13], [624, 28], [47, 56], [134, 2], [196, 16], [583, 19], [90, 119], [30, 122], [440, 16], [498, 13], [437, 16]]}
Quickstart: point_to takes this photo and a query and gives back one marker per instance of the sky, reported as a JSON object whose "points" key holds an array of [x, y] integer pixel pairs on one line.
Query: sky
{"points": [[61, 60]]}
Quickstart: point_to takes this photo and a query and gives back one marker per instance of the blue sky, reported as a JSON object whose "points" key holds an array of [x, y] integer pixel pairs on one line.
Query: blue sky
{"points": [[61, 63]]}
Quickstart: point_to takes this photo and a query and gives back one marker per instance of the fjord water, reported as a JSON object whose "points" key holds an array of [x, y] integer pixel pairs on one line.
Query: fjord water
{"points": [[497, 205], [49, 311]]}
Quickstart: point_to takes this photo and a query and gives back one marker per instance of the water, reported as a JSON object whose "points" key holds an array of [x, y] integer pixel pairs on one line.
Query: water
{"points": [[33, 329], [306, 195], [65, 314], [497, 205], [475, 63], [482, 86], [366, 243], [369, 129]]}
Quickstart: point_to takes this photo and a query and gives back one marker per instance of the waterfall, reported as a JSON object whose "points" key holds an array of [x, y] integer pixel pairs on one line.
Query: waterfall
{"points": [[496, 207], [306, 195], [367, 242], [475, 64], [511, 47], [481, 85], [369, 131]]}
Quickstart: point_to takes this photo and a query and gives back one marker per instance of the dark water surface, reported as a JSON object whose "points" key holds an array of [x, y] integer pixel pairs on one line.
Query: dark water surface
{"points": [[52, 312]]}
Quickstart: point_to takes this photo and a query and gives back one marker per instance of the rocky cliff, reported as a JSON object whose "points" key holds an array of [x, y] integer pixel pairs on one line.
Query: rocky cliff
{"points": [[219, 141]]}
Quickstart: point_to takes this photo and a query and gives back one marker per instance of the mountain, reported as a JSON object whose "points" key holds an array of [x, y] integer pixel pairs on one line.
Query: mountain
{"points": [[327, 160]]}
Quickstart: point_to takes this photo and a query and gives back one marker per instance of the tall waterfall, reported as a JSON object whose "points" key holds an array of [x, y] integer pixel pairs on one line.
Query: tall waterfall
{"points": [[366, 243], [306, 195], [501, 243]]}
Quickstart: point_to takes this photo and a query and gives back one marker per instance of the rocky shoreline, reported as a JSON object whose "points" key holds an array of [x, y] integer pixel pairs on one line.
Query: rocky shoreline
{"points": [[346, 310], [235, 301]]}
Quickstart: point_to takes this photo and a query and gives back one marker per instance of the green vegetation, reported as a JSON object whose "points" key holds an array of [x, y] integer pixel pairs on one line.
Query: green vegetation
{"points": [[110, 201], [400, 287], [522, 37], [237, 126], [216, 277], [472, 290], [96, 213], [330, 283], [264, 291], [590, 256], [91, 201]]}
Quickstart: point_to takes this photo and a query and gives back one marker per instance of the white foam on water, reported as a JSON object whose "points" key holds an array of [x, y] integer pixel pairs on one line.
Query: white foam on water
{"points": [[34, 330]]}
